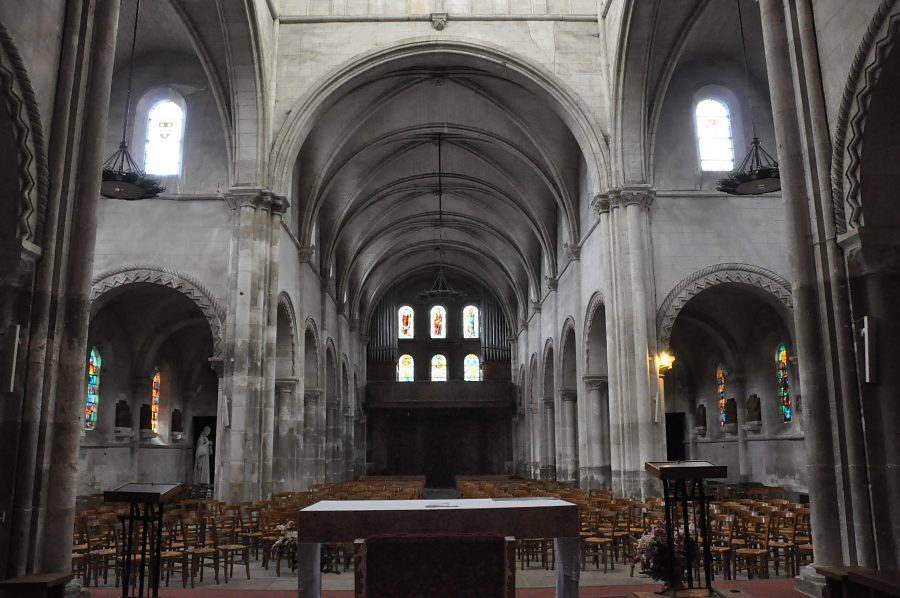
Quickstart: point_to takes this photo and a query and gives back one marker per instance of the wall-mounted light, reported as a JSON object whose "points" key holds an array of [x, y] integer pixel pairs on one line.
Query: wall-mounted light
{"points": [[664, 361]]}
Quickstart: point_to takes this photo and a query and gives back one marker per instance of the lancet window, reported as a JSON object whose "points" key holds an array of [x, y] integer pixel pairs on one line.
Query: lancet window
{"points": [[714, 135], [406, 320], [154, 401], [406, 369], [439, 368], [165, 134], [438, 322], [471, 368], [93, 390], [784, 383], [470, 321], [721, 374]]}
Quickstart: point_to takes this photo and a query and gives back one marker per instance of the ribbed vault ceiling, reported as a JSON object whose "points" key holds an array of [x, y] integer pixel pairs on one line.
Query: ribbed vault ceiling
{"points": [[512, 179]]}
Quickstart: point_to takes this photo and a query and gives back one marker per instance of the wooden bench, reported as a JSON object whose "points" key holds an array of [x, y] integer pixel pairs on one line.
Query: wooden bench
{"points": [[860, 582], [40, 585]]}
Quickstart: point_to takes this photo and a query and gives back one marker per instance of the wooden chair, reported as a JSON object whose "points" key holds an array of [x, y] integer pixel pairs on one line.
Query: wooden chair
{"points": [[782, 529], [754, 556], [200, 555], [226, 528], [721, 532], [102, 548], [599, 544]]}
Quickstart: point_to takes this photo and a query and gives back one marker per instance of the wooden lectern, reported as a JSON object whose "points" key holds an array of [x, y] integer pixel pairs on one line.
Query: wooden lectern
{"points": [[675, 476], [351, 520], [151, 497]]}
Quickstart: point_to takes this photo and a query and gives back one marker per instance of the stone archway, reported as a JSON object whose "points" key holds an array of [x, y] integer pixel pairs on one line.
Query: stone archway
{"points": [[568, 405], [548, 414], [286, 444], [312, 469], [597, 388]]}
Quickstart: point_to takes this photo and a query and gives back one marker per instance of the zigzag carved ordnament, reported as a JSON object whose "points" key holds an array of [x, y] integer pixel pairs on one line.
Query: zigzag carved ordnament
{"points": [[34, 178], [168, 277], [864, 72], [593, 306], [703, 279]]}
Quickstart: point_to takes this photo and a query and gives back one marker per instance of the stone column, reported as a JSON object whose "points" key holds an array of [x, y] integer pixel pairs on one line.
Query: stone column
{"points": [[63, 427], [599, 474], [548, 439], [312, 457], [737, 383], [827, 519], [568, 402], [286, 443], [347, 444], [535, 432]]}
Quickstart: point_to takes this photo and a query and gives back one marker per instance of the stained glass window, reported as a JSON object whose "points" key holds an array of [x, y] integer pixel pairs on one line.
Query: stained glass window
{"points": [[714, 135], [165, 132], [406, 369], [438, 368], [471, 368], [405, 316], [784, 384], [720, 390], [438, 322], [93, 390], [470, 321], [154, 402]]}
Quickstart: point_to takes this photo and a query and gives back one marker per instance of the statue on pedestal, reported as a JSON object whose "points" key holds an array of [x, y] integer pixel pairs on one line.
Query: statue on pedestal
{"points": [[201, 458]]}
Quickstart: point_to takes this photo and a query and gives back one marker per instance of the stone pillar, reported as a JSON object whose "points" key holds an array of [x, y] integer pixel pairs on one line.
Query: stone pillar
{"points": [[286, 444], [828, 539], [737, 383], [247, 464], [312, 457], [568, 402], [599, 475], [535, 432], [65, 415], [347, 445], [548, 439]]}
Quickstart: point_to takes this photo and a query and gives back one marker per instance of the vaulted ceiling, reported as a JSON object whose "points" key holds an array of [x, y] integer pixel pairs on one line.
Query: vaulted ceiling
{"points": [[511, 180]]}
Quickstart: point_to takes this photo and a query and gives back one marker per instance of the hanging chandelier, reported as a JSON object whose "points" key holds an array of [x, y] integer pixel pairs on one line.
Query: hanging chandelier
{"points": [[440, 288], [758, 172], [122, 177]]}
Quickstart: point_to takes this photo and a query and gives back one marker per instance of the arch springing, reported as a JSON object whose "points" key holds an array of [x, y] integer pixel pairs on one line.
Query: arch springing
{"points": [[472, 368], [164, 140], [406, 369], [471, 322], [714, 135], [93, 389], [406, 322], [154, 401], [784, 384], [438, 368]]}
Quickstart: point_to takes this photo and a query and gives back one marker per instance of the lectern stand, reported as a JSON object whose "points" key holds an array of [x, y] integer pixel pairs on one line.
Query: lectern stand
{"points": [[675, 476], [147, 502]]}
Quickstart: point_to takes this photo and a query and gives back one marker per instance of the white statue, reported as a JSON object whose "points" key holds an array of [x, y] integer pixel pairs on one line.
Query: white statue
{"points": [[201, 460]]}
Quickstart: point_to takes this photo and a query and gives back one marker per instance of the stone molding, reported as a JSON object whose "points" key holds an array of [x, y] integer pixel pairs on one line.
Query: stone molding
{"points": [[173, 279], [568, 394], [709, 277], [596, 382], [600, 203], [256, 198], [439, 20], [34, 175], [619, 197], [874, 48], [594, 305]]}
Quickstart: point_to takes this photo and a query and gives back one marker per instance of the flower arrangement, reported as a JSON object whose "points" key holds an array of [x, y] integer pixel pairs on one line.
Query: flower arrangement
{"points": [[288, 537], [658, 561]]}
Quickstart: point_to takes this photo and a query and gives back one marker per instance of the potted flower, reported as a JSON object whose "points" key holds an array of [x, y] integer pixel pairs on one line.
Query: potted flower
{"points": [[660, 562]]}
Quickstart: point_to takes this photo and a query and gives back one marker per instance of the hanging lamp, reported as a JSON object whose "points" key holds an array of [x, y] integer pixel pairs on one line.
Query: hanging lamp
{"points": [[440, 288], [122, 177], [758, 173]]}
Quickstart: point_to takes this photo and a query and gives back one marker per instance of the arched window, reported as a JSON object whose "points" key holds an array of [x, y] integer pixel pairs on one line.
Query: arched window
{"points": [[471, 368], [165, 134], [93, 390], [721, 373], [714, 135], [438, 322], [470, 321], [406, 319], [154, 401], [438, 368], [784, 384], [406, 369]]}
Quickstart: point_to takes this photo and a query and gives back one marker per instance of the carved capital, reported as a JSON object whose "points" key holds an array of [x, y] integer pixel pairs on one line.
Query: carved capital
{"points": [[552, 282], [573, 251], [600, 203], [305, 254], [596, 382], [568, 394], [640, 195], [288, 385], [311, 395], [536, 307]]}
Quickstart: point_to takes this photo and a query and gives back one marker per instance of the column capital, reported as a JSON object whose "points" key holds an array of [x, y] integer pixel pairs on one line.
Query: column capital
{"points": [[312, 394], [600, 203], [616, 197], [573, 251], [568, 394], [305, 253], [286, 384], [595, 382], [547, 400], [252, 197], [552, 282]]}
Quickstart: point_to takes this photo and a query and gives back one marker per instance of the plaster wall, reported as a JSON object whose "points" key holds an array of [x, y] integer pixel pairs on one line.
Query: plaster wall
{"points": [[840, 26], [691, 232], [36, 30], [309, 52]]}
